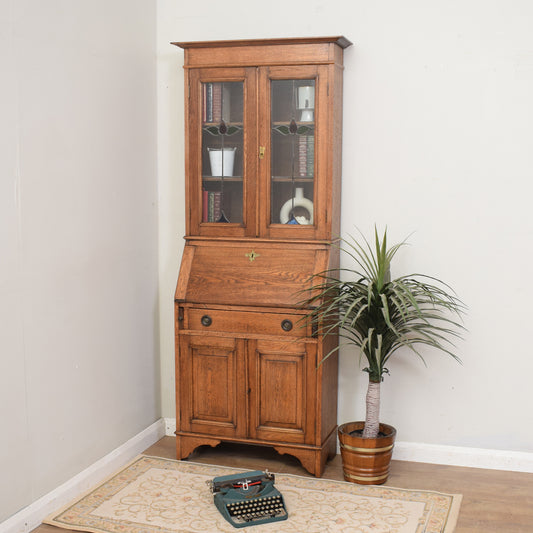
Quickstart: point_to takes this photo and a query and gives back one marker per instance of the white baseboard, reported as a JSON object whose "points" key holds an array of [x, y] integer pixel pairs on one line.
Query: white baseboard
{"points": [[445, 455], [30, 517], [460, 456], [170, 427]]}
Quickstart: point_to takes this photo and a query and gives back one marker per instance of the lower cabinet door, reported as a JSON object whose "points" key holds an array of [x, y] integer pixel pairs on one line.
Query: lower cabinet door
{"points": [[211, 385], [282, 391]]}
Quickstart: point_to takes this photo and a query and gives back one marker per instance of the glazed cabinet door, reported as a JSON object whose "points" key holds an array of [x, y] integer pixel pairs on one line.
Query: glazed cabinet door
{"points": [[282, 380], [211, 388], [294, 135], [259, 152], [221, 163]]}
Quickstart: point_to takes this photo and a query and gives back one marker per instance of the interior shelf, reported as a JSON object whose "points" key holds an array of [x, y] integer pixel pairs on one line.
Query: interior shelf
{"points": [[289, 179], [219, 178]]}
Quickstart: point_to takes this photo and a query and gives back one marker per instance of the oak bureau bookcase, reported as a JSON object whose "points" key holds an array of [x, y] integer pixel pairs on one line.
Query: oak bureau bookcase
{"points": [[263, 125]]}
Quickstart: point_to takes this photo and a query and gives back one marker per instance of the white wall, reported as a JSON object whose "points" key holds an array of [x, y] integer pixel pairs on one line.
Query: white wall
{"points": [[438, 141], [79, 372]]}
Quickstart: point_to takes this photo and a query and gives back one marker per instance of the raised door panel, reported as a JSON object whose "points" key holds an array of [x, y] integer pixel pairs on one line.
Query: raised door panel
{"points": [[222, 152], [211, 385], [282, 402]]}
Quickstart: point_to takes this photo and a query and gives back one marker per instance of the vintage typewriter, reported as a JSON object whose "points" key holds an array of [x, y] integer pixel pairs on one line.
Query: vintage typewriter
{"points": [[248, 499]]}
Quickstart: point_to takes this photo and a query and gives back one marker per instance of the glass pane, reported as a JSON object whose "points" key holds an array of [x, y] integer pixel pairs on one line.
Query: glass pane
{"points": [[222, 152], [293, 151]]}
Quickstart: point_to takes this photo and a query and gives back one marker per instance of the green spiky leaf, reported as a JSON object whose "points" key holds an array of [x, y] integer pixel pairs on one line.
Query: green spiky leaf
{"points": [[379, 314]]}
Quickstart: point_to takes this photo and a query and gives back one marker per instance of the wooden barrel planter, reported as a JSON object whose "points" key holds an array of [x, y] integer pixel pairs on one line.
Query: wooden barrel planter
{"points": [[366, 461]]}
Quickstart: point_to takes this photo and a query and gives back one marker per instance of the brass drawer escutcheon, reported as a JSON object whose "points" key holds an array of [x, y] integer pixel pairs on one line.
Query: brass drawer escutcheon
{"points": [[252, 255]]}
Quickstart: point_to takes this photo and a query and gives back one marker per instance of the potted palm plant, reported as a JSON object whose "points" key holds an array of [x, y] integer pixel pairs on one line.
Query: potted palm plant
{"points": [[379, 316]]}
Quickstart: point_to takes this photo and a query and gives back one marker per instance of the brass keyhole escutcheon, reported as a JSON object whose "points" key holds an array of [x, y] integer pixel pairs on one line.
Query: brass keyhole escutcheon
{"points": [[262, 152], [252, 255]]}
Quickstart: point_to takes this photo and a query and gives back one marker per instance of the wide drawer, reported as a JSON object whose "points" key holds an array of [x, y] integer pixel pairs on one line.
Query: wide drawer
{"points": [[247, 322]]}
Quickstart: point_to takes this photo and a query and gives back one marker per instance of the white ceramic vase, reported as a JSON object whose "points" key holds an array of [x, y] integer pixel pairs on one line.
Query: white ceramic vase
{"points": [[299, 200]]}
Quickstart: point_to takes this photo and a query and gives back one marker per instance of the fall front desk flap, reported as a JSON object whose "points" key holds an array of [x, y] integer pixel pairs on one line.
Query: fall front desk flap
{"points": [[248, 273]]}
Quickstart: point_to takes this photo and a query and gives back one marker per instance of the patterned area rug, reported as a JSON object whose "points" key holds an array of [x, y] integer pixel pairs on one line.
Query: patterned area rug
{"points": [[154, 495]]}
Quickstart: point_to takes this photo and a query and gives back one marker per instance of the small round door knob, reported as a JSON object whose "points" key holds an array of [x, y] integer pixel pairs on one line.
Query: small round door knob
{"points": [[286, 325], [206, 321]]}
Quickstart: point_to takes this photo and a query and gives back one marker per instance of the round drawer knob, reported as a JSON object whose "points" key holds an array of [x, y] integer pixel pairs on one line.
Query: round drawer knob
{"points": [[206, 321], [286, 325]]}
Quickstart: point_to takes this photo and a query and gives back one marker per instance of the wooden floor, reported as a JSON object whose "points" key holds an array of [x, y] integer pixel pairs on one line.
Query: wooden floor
{"points": [[494, 501]]}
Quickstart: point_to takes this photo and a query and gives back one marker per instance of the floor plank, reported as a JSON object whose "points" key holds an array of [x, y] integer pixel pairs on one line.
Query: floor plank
{"points": [[494, 501]]}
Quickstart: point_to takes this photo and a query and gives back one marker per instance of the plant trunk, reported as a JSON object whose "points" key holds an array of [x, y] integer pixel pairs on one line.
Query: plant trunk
{"points": [[372, 410]]}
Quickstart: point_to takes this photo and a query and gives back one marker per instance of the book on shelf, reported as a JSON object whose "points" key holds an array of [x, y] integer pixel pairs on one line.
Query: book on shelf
{"points": [[211, 206], [306, 156], [216, 106]]}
